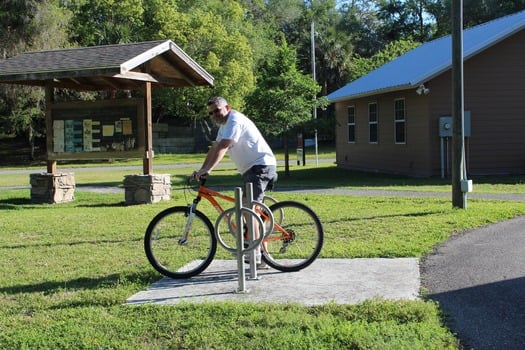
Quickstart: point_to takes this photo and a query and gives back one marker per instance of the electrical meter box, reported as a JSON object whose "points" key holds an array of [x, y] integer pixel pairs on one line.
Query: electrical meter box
{"points": [[445, 125], [466, 185]]}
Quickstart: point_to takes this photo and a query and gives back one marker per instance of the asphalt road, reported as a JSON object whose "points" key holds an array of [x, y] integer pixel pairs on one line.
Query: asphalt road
{"points": [[478, 278]]}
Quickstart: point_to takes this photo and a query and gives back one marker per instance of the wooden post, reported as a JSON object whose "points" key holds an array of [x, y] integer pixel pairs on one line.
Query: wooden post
{"points": [[459, 199], [148, 157], [50, 98]]}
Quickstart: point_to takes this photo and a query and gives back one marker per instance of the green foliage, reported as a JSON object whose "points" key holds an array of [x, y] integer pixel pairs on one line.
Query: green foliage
{"points": [[362, 65], [402, 19], [474, 12], [103, 22], [359, 20], [222, 48], [28, 26], [284, 97], [333, 49], [163, 20], [27, 113], [49, 27], [15, 18]]}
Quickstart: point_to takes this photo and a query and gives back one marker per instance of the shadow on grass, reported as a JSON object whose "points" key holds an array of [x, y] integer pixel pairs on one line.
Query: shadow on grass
{"points": [[361, 218], [13, 203], [103, 205], [114, 184], [69, 244], [25, 203], [83, 283]]}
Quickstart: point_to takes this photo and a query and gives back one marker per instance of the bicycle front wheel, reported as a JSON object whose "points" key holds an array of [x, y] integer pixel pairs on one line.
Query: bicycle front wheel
{"points": [[297, 238], [180, 245]]}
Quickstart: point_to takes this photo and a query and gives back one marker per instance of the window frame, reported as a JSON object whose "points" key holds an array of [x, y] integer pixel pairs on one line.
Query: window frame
{"points": [[373, 124], [400, 118], [350, 124]]}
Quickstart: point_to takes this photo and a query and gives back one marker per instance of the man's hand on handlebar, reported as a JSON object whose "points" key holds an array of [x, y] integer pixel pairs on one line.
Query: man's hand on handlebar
{"points": [[197, 175]]}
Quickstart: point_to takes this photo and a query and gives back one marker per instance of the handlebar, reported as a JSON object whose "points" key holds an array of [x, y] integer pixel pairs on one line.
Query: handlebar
{"points": [[201, 180]]}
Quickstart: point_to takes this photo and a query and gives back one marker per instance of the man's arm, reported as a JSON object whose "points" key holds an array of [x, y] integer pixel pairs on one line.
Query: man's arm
{"points": [[214, 156]]}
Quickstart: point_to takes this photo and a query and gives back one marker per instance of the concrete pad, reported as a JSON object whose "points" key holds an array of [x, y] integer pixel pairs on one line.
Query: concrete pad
{"points": [[343, 281]]}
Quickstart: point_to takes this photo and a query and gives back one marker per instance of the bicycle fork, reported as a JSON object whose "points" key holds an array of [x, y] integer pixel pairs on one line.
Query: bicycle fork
{"points": [[190, 216]]}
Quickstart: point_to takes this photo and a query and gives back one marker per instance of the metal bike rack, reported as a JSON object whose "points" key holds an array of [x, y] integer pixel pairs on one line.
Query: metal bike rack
{"points": [[237, 231], [251, 233]]}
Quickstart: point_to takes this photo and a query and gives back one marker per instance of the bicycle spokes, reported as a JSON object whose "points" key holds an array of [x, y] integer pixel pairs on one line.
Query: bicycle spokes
{"points": [[296, 240], [195, 247]]}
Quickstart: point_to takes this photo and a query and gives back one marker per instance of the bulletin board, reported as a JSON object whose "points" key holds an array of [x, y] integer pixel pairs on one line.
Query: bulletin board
{"points": [[97, 130]]}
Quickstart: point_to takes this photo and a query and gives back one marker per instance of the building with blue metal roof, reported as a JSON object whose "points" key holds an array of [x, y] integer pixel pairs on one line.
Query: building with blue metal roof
{"points": [[393, 119]]}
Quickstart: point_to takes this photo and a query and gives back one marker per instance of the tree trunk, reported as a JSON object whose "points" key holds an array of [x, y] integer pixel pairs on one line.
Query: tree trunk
{"points": [[32, 141], [286, 155]]}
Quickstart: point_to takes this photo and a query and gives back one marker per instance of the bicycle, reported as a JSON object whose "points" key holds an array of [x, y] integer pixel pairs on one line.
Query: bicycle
{"points": [[181, 242]]}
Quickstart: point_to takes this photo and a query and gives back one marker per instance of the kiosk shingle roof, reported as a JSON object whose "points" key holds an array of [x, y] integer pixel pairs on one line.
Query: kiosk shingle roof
{"points": [[122, 66]]}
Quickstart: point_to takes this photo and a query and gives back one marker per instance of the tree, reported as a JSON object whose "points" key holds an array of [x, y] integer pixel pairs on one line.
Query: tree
{"points": [[28, 26], [402, 19], [360, 23], [103, 22], [474, 12], [363, 65], [215, 33], [283, 98], [223, 49], [333, 48]]}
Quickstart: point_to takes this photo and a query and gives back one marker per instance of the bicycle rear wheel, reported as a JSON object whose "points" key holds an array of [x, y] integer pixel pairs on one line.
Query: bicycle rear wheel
{"points": [[174, 254], [297, 238]]}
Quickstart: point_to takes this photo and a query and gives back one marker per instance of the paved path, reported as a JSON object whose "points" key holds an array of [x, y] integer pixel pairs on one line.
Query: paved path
{"points": [[340, 191], [478, 277], [343, 281]]}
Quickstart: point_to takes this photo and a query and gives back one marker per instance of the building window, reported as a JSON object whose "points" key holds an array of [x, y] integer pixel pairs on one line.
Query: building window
{"points": [[399, 121], [351, 124], [372, 123]]}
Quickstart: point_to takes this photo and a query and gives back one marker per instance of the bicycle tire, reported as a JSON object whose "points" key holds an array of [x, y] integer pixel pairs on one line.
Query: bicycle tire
{"points": [[168, 255], [294, 253], [269, 200], [277, 215]]}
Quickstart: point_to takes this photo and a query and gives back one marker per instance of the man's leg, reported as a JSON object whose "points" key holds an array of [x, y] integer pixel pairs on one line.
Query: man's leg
{"points": [[260, 176]]}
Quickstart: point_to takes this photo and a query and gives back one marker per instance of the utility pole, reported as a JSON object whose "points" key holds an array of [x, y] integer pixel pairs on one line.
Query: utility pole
{"points": [[312, 37], [460, 186]]}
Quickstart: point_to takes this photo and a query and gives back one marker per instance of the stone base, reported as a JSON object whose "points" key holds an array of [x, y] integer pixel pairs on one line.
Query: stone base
{"points": [[52, 188], [141, 189]]}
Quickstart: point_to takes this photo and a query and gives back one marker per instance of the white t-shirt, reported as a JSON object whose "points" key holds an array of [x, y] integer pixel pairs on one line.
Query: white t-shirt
{"points": [[249, 147]]}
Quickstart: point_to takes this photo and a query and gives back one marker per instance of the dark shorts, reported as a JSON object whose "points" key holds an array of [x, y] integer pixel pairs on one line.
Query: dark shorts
{"points": [[262, 178]]}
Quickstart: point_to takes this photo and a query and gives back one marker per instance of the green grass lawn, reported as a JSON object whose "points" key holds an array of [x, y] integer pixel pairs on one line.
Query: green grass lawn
{"points": [[67, 269]]}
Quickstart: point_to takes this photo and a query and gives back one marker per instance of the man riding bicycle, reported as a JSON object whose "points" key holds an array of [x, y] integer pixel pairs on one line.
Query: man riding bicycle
{"points": [[241, 139]]}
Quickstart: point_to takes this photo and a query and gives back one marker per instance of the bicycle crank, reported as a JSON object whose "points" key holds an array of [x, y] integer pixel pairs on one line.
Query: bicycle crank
{"points": [[287, 241]]}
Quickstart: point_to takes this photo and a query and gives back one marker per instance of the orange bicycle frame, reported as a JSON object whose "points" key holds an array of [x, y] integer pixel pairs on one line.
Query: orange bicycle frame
{"points": [[209, 195]]}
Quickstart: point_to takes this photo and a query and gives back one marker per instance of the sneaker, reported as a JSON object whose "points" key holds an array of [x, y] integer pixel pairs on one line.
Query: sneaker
{"points": [[259, 264], [258, 259], [262, 266]]}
